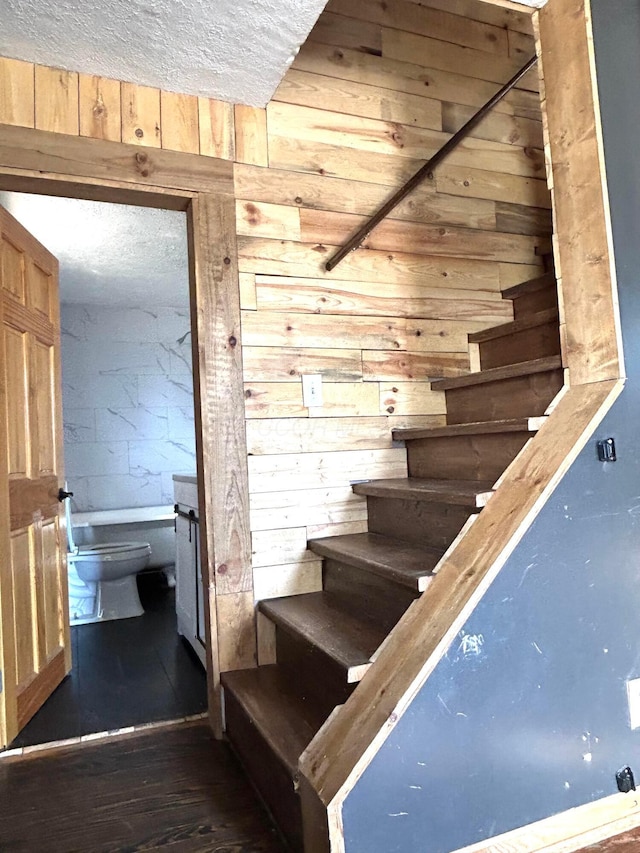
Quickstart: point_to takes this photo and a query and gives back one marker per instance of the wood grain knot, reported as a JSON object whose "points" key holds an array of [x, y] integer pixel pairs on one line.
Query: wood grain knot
{"points": [[222, 569], [227, 261], [141, 157], [139, 132], [233, 341]]}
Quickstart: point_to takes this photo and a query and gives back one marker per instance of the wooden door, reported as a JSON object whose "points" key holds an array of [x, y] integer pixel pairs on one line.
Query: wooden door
{"points": [[35, 652]]}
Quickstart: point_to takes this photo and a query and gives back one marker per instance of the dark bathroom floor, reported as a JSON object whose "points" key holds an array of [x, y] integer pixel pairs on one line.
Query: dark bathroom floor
{"points": [[126, 672]]}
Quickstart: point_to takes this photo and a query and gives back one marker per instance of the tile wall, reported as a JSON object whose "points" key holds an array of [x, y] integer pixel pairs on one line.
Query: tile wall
{"points": [[127, 404]]}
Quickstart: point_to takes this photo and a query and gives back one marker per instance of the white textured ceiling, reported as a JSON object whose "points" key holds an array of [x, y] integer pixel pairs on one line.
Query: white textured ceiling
{"points": [[235, 50], [109, 253]]}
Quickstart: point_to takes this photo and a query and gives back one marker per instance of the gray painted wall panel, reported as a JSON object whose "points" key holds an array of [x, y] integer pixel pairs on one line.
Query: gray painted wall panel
{"points": [[527, 714]]}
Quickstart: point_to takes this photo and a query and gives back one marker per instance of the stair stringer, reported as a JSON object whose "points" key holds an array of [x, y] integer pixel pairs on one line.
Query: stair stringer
{"points": [[347, 743]]}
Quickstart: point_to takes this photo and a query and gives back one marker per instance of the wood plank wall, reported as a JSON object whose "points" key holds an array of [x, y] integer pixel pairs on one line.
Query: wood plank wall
{"points": [[377, 88]]}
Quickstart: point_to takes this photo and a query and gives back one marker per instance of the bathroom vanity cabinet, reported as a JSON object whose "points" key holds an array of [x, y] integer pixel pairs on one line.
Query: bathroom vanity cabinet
{"points": [[189, 587]]}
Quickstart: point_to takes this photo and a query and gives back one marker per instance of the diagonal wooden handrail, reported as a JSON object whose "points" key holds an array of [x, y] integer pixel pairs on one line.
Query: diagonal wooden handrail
{"points": [[427, 169]]}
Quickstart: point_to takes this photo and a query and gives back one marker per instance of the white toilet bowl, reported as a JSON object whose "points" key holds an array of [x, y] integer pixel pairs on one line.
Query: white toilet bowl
{"points": [[102, 579]]}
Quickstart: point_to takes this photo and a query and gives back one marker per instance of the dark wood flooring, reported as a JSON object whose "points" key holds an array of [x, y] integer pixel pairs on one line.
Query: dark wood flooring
{"points": [[125, 672], [173, 788], [628, 842]]}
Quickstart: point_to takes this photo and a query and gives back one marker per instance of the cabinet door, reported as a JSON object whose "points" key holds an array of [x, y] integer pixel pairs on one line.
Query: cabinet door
{"points": [[200, 633], [186, 577]]}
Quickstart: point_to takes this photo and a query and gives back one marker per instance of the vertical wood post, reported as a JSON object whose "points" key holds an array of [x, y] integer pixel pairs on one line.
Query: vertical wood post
{"points": [[221, 450]]}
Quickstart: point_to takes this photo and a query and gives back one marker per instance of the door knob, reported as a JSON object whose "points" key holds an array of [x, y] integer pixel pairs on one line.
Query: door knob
{"points": [[62, 495]]}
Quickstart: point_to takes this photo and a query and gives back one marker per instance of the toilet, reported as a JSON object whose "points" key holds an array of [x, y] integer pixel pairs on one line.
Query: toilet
{"points": [[102, 578]]}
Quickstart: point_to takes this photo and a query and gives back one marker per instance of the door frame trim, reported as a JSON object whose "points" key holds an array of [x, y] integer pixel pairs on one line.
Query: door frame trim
{"points": [[47, 163]]}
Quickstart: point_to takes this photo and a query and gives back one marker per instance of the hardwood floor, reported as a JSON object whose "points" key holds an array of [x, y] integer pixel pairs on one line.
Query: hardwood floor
{"points": [[628, 842], [171, 789]]}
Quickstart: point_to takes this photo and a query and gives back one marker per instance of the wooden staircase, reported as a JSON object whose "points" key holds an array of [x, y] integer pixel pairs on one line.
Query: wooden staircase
{"points": [[326, 641]]}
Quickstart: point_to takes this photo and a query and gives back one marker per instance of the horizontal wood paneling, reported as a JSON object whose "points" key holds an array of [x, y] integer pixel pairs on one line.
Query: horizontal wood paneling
{"points": [[359, 99], [320, 192], [412, 78], [437, 24], [362, 298], [278, 364], [403, 140], [286, 257]]}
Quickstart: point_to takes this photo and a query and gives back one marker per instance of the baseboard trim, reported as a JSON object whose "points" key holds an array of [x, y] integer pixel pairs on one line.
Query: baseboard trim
{"points": [[84, 740], [568, 831]]}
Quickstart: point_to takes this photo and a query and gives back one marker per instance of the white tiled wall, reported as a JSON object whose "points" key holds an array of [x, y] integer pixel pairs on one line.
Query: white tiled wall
{"points": [[127, 404]]}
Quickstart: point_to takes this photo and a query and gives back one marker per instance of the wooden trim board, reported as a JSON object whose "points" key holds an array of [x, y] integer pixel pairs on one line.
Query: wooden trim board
{"points": [[568, 831], [592, 345], [39, 161]]}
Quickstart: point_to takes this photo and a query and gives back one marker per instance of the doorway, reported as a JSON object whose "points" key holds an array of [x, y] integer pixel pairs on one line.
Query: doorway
{"points": [[203, 188], [128, 424]]}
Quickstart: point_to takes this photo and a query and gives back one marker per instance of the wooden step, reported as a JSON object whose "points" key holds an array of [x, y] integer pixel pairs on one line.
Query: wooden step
{"points": [[269, 726], [535, 336], [517, 390], [476, 451], [540, 318], [465, 493], [481, 457], [373, 595], [285, 721], [318, 620], [478, 428], [539, 294], [434, 525], [533, 285], [511, 371], [403, 563]]}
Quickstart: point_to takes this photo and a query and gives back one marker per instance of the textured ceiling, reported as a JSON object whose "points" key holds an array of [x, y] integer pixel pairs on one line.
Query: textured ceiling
{"points": [[109, 253], [235, 50]]}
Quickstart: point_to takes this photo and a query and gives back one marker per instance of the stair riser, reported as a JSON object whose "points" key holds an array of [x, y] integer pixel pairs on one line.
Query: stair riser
{"points": [[531, 303], [432, 524], [270, 778], [516, 397], [538, 342], [315, 675], [366, 593], [469, 457]]}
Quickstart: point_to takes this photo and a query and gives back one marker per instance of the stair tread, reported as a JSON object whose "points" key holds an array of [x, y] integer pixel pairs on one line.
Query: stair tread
{"points": [[539, 318], [477, 428], [285, 721], [530, 286], [494, 374], [469, 493], [405, 563], [318, 618]]}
